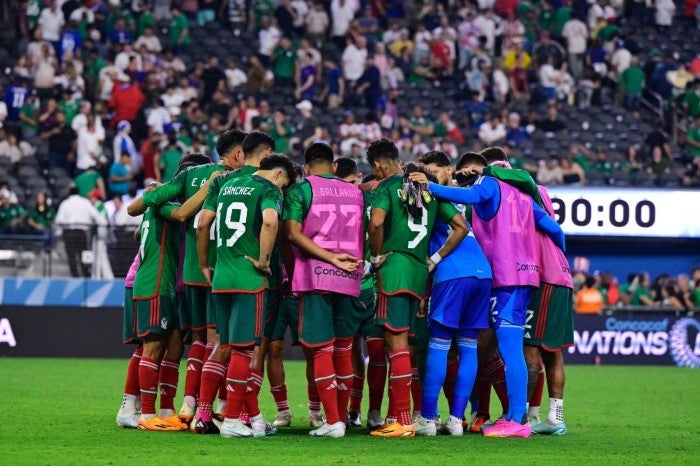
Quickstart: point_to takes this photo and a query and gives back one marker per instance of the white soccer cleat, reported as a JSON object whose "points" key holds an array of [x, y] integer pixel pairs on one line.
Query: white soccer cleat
{"points": [[454, 426], [374, 420], [235, 428], [425, 427], [261, 428], [284, 419], [336, 430], [127, 419], [316, 419]]}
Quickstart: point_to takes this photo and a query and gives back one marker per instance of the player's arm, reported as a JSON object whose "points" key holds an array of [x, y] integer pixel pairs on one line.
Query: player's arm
{"points": [[268, 233], [546, 224], [519, 179], [375, 229], [206, 219], [159, 196], [194, 203], [459, 230], [482, 190]]}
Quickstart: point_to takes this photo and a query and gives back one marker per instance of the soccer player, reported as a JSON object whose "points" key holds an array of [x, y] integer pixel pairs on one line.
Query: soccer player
{"points": [[197, 316], [346, 169], [256, 146], [156, 309], [128, 414], [550, 313], [507, 237], [399, 248], [246, 225], [458, 310], [323, 220]]}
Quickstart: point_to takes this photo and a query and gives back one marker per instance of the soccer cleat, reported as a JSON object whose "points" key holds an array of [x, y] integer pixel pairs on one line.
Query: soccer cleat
{"points": [[235, 428], [335, 430], [284, 419], [395, 429], [128, 420], [261, 428], [217, 419], [425, 426], [477, 424], [374, 420], [170, 424], [316, 419], [547, 428], [186, 413], [205, 427], [504, 428], [454, 426], [533, 420], [354, 419]]}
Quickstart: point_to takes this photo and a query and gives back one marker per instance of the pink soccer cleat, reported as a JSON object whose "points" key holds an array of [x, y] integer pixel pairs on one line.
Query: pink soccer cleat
{"points": [[503, 428]]}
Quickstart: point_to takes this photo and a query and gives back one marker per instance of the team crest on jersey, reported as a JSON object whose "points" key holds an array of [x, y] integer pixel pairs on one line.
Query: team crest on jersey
{"points": [[164, 323]]}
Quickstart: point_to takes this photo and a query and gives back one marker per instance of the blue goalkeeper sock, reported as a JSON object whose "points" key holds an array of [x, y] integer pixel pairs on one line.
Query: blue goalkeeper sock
{"points": [[466, 374], [435, 372], [510, 344]]}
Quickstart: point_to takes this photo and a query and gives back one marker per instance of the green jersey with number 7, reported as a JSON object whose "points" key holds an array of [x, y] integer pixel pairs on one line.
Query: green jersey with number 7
{"points": [[407, 238], [239, 210]]}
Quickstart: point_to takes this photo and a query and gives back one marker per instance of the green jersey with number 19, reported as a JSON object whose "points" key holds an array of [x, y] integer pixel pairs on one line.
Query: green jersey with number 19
{"points": [[239, 210], [160, 239], [407, 238], [185, 185]]}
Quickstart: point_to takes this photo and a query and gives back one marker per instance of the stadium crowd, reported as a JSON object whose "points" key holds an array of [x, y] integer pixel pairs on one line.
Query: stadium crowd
{"points": [[92, 80]]}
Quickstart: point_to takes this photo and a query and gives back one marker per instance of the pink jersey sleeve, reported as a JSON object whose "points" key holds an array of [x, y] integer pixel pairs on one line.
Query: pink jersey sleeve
{"points": [[131, 274]]}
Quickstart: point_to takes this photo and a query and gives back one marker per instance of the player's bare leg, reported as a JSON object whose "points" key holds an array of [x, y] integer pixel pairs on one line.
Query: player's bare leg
{"points": [[535, 376], [276, 377], [556, 377]]}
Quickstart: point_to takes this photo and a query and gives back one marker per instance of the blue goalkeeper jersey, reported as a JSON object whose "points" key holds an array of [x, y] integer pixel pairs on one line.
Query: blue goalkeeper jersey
{"points": [[467, 259]]}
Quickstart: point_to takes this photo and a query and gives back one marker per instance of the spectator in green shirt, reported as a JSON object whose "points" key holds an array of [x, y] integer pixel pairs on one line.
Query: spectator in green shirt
{"points": [[641, 295], [631, 84], [89, 180], [280, 131], [284, 59], [691, 99], [169, 160], [692, 139], [41, 218], [11, 215], [29, 117], [179, 31]]}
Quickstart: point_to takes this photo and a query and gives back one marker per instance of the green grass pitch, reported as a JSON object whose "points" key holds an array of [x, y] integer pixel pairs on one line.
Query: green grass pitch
{"points": [[60, 411]]}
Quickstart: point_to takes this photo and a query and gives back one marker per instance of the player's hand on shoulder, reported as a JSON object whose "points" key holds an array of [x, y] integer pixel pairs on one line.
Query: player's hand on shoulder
{"points": [[152, 186], [419, 177], [262, 267], [472, 170]]}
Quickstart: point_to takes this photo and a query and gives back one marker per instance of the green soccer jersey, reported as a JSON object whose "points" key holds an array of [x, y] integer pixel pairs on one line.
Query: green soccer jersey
{"points": [[238, 225], [407, 238], [160, 239], [185, 185]]}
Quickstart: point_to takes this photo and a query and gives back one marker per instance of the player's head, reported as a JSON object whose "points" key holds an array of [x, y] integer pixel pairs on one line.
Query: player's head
{"points": [[192, 159], [318, 157], [466, 160], [229, 146], [438, 163], [383, 156], [257, 145], [345, 168], [277, 169], [494, 154]]}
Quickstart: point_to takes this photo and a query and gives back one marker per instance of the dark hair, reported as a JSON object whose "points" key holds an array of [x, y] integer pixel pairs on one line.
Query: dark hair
{"points": [[318, 152], [73, 190], [279, 161], [436, 157], [469, 158], [493, 154], [369, 178], [256, 142], [590, 281], [345, 167], [228, 140], [196, 158], [382, 149], [413, 168]]}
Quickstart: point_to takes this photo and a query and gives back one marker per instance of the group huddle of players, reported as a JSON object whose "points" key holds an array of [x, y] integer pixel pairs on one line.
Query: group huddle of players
{"points": [[455, 285]]}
